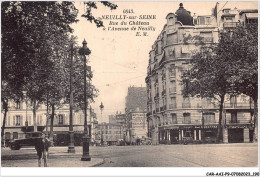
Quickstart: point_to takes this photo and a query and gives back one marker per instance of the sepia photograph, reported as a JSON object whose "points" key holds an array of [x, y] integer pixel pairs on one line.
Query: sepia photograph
{"points": [[99, 84]]}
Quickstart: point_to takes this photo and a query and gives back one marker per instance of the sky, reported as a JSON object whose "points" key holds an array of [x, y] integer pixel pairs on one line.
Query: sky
{"points": [[119, 59]]}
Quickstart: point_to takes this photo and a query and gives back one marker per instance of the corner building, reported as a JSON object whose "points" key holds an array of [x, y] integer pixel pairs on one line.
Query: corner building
{"points": [[171, 116]]}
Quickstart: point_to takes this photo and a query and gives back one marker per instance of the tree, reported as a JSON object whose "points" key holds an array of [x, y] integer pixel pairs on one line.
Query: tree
{"points": [[93, 5], [229, 67], [29, 32], [207, 78], [244, 59]]}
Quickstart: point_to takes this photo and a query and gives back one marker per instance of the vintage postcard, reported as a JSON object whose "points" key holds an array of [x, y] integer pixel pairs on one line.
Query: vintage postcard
{"points": [[129, 84]]}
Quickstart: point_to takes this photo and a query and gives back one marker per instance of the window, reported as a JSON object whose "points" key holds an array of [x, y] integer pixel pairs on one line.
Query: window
{"points": [[171, 21], [229, 19], [233, 101], [60, 119], [226, 11], [18, 105], [172, 39], [29, 120], [204, 20], [209, 117], [39, 120], [156, 49], [187, 119], [174, 118], [15, 135], [234, 117], [195, 21], [172, 71], [186, 102], [8, 121], [7, 135], [17, 120]]}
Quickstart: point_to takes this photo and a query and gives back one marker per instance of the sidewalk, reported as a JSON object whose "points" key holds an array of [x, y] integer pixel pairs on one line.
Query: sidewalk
{"points": [[65, 159], [57, 158]]}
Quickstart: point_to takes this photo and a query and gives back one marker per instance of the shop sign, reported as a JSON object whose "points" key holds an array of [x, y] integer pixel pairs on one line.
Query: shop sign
{"points": [[237, 126]]}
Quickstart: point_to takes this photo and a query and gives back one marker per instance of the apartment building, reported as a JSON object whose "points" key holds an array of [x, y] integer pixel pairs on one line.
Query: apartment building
{"points": [[171, 116]]}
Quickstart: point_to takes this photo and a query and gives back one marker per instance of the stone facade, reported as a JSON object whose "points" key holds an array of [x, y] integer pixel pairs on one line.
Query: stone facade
{"points": [[170, 115]]}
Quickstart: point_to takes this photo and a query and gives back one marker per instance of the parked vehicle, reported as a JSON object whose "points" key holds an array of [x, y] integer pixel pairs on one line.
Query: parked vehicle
{"points": [[187, 138], [27, 141]]}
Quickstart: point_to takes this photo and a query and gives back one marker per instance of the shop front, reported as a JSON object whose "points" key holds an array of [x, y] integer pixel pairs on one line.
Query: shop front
{"points": [[239, 133], [174, 134]]}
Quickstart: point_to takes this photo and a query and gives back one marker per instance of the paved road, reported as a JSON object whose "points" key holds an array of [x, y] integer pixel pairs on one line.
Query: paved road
{"points": [[210, 155]]}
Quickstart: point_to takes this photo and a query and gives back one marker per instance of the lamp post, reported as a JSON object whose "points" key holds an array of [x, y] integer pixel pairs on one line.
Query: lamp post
{"points": [[26, 122], [85, 156], [71, 148], [203, 129], [101, 131]]}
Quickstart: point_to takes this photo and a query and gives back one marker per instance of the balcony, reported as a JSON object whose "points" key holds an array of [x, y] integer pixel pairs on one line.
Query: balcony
{"points": [[186, 105], [186, 122], [174, 121], [234, 121], [239, 105], [230, 24], [172, 106]]}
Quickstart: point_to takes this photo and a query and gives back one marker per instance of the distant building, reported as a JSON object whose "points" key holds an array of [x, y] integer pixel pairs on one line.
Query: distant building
{"points": [[136, 98], [136, 114], [18, 114], [112, 119], [137, 126], [108, 133]]}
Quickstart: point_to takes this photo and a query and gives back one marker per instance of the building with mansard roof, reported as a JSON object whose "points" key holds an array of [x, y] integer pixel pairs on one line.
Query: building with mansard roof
{"points": [[171, 116]]}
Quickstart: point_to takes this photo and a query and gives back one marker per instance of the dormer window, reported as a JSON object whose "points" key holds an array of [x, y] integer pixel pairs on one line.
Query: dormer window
{"points": [[171, 21], [204, 20], [229, 19], [226, 11]]}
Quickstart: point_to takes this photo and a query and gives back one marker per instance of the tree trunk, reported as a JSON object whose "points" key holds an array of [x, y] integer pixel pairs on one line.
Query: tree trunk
{"points": [[5, 107], [52, 119], [255, 137], [34, 116], [220, 119]]}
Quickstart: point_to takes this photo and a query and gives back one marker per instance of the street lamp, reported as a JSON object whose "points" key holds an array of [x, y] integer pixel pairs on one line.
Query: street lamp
{"points": [[71, 148], [101, 131], [101, 109], [26, 122], [85, 156]]}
